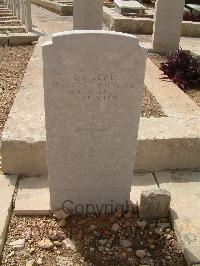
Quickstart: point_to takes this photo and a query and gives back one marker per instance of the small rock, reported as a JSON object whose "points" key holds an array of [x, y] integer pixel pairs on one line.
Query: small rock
{"points": [[57, 236], [141, 224], [61, 214], [92, 226], [152, 246], [57, 243], [45, 244], [39, 261], [140, 253], [129, 215], [62, 223], [163, 226], [115, 227], [31, 263], [62, 261], [69, 244], [32, 250], [102, 242], [158, 231], [100, 248], [18, 244], [12, 253], [125, 243], [118, 214]]}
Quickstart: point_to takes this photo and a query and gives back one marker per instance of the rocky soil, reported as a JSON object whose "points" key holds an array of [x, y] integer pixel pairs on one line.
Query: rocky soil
{"points": [[118, 239]]}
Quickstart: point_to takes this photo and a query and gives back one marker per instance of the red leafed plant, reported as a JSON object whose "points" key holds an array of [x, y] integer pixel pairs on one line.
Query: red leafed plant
{"points": [[183, 69], [189, 16]]}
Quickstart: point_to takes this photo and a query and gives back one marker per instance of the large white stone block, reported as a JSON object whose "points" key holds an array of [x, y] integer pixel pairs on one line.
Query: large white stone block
{"points": [[167, 25], [92, 92], [87, 14]]}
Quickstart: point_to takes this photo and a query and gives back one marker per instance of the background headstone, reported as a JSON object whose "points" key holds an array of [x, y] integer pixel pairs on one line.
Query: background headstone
{"points": [[27, 15], [22, 16], [87, 14], [92, 91], [167, 25]]}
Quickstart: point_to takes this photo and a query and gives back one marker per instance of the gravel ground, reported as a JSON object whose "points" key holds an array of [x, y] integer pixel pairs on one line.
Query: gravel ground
{"points": [[11, 23], [150, 107], [13, 63], [119, 239], [194, 94]]}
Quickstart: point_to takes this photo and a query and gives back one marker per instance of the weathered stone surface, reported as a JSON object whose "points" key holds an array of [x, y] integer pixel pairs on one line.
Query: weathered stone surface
{"points": [[167, 25], [32, 197], [27, 15], [129, 6], [7, 186], [87, 14], [184, 187], [141, 182], [154, 204], [92, 123]]}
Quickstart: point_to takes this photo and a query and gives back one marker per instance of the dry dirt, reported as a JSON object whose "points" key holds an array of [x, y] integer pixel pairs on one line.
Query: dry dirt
{"points": [[92, 240], [13, 63]]}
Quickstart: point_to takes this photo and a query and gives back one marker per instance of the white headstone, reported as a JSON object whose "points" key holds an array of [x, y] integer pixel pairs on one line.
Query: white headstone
{"points": [[87, 14], [27, 15], [92, 91], [167, 25], [18, 8], [22, 16]]}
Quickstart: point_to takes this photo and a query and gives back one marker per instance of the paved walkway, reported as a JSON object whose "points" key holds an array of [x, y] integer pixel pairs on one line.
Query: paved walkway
{"points": [[186, 43]]}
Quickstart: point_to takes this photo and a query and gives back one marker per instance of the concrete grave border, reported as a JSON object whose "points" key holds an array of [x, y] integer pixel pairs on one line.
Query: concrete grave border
{"points": [[171, 142], [55, 6], [118, 22]]}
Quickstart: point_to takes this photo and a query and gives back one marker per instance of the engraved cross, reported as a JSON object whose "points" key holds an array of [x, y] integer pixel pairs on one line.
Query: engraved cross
{"points": [[93, 129]]}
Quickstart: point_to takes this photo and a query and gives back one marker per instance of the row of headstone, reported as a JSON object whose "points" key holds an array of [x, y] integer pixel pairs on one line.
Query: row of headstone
{"points": [[22, 9], [167, 25], [92, 93]]}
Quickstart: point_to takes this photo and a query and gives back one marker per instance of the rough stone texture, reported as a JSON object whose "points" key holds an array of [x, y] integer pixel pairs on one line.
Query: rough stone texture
{"points": [[7, 186], [92, 123], [129, 6], [154, 203], [141, 182], [87, 14], [184, 187], [27, 15], [167, 25], [32, 197], [22, 38]]}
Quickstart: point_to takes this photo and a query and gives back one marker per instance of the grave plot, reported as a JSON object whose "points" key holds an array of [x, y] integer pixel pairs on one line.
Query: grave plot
{"points": [[92, 94], [93, 240], [15, 24], [134, 17]]}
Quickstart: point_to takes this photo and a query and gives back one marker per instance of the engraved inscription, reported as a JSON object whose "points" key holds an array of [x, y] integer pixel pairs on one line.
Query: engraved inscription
{"points": [[93, 87]]}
